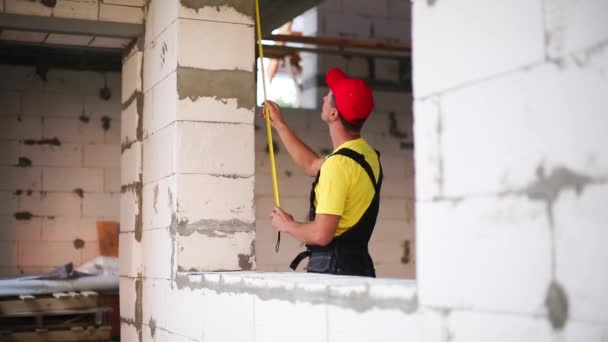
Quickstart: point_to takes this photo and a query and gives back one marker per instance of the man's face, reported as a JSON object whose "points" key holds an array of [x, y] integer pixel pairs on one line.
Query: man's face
{"points": [[328, 106]]}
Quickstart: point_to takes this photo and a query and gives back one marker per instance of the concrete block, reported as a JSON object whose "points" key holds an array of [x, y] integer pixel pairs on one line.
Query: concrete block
{"points": [[101, 205], [131, 75], [346, 25], [11, 102], [159, 16], [477, 326], [160, 105], [574, 26], [27, 7], [366, 8], [111, 180], [391, 230], [128, 295], [428, 154], [104, 156], [129, 121], [98, 108], [233, 45], [400, 103], [158, 154], [134, 3], [130, 255], [390, 325], [393, 208], [131, 165], [214, 148], [10, 153], [47, 253], [396, 270], [112, 134], [123, 14], [176, 305], [512, 156], [20, 230], [357, 67], [17, 178], [161, 199], [400, 9], [383, 252], [267, 311], [223, 13], [214, 198], [76, 9], [160, 56], [60, 204], [266, 239], [8, 253], [387, 70], [212, 109], [69, 229], [158, 253], [295, 205], [69, 179], [72, 130], [493, 241], [209, 252], [49, 104], [26, 202], [73, 82], [129, 210], [18, 78], [580, 255], [391, 29], [66, 155], [216, 324], [507, 31]]}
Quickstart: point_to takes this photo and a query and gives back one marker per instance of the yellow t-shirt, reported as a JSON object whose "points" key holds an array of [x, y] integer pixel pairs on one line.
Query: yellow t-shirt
{"points": [[344, 188]]}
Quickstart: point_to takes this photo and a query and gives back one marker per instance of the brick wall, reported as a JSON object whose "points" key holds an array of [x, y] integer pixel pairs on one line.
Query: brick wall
{"points": [[59, 166]]}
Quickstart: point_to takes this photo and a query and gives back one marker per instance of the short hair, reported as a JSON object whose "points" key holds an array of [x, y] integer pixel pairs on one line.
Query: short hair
{"points": [[348, 125]]}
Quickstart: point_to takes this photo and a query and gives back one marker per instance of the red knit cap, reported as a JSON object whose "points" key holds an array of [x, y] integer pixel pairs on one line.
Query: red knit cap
{"points": [[353, 97]]}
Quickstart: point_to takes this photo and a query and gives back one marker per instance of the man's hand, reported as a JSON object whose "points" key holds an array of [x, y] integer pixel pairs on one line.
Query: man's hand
{"points": [[276, 118], [281, 220]]}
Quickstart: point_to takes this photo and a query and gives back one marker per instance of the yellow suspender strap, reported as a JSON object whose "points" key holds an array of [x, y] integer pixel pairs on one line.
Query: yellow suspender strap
{"points": [[273, 169]]}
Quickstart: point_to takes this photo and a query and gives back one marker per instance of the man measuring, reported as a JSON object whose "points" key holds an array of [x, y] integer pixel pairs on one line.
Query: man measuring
{"points": [[345, 195]]}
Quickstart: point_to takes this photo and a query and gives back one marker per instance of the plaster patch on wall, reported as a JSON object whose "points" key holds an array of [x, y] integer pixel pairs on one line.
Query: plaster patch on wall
{"points": [[220, 84], [557, 306], [137, 96], [138, 304], [548, 188], [137, 188], [242, 6], [152, 325]]}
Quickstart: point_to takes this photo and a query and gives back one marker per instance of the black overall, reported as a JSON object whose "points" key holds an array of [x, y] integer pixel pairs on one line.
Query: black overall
{"points": [[346, 254]]}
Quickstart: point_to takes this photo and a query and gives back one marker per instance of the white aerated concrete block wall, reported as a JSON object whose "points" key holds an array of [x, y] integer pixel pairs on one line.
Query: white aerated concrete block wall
{"points": [[188, 161], [512, 172], [59, 165]]}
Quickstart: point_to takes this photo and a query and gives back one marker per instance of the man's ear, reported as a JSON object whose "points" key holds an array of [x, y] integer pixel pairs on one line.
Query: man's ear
{"points": [[334, 114]]}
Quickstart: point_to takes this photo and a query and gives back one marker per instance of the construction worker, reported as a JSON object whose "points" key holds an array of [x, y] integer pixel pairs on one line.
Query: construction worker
{"points": [[345, 195]]}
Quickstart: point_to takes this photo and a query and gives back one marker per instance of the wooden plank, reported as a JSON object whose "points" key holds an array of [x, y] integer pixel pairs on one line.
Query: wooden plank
{"points": [[107, 232], [71, 335], [41, 304]]}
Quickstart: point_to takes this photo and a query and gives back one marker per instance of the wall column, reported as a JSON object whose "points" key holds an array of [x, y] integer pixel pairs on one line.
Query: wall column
{"points": [[188, 155]]}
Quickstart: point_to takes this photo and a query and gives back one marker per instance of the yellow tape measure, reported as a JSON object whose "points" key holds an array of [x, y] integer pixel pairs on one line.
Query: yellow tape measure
{"points": [[273, 169]]}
